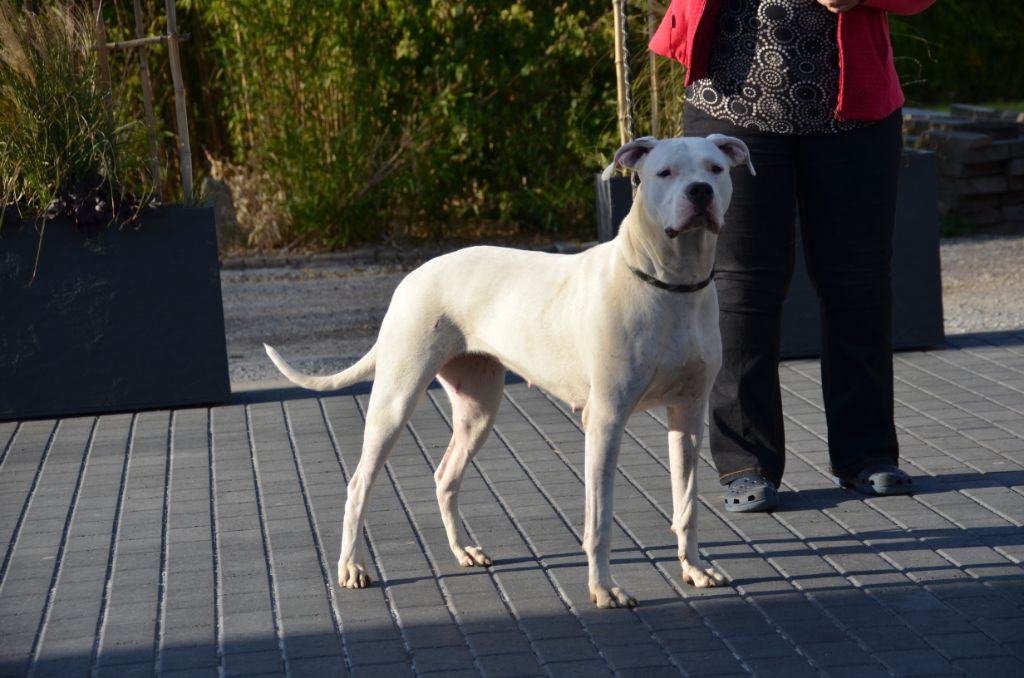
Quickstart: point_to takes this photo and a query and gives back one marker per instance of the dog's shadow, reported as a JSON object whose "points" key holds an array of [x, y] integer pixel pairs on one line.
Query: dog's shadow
{"points": [[547, 562]]}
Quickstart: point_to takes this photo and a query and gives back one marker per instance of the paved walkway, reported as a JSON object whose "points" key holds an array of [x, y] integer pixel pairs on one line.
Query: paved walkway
{"points": [[202, 542]]}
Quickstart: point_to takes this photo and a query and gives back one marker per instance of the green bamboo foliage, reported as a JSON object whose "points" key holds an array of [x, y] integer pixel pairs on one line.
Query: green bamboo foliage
{"points": [[385, 118]]}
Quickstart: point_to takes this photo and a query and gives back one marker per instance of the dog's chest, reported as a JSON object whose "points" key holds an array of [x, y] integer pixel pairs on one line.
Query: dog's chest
{"points": [[683, 364], [680, 382]]}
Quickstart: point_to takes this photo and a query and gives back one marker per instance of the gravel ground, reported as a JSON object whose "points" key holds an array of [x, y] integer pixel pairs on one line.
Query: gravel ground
{"points": [[983, 284], [323, 313], [320, 318]]}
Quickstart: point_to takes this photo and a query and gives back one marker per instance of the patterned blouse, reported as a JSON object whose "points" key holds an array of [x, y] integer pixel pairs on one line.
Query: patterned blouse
{"points": [[774, 67]]}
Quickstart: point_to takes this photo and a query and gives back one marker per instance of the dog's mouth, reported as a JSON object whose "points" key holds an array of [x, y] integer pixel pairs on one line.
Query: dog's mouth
{"points": [[701, 219]]}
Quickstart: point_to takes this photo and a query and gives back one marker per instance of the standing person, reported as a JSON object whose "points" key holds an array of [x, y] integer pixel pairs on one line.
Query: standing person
{"points": [[811, 88]]}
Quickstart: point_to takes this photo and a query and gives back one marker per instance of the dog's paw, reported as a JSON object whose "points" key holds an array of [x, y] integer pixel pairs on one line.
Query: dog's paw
{"points": [[702, 575], [473, 556], [613, 597], [353, 576]]}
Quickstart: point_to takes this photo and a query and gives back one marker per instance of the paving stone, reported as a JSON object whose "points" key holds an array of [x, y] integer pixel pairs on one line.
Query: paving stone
{"points": [[250, 663], [812, 633], [509, 665], [201, 672], [433, 636], [783, 667], [579, 669], [768, 645], [498, 642], [915, 662], [670, 671], [565, 649], [888, 637], [178, 658], [546, 628], [853, 670], [61, 666], [390, 670], [375, 651], [315, 667], [136, 670], [306, 646], [612, 633], [650, 655], [836, 653], [707, 663], [447, 659], [984, 667], [965, 645]]}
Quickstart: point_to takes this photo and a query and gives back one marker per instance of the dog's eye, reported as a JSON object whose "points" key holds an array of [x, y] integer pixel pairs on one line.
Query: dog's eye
{"points": [[665, 173], [717, 169]]}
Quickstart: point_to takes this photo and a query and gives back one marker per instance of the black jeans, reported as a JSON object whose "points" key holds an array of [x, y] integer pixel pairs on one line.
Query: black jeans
{"points": [[844, 185]]}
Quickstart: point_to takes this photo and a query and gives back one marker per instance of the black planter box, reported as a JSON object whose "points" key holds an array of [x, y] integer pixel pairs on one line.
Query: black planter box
{"points": [[916, 272], [614, 197], [129, 319]]}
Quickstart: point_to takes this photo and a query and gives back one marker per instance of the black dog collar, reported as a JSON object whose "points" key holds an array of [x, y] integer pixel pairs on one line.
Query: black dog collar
{"points": [[692, 287]]}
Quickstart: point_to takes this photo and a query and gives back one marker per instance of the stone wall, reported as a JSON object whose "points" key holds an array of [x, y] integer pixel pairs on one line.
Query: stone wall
{"points": [[980, 153]]}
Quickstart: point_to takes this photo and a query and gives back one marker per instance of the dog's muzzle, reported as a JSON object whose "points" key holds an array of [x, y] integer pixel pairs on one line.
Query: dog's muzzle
{"points": [[700, 194]]}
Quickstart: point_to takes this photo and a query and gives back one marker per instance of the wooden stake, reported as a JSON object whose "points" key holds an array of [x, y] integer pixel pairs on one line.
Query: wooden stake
{"points": [[184, 148], [142, 42], [620, 73], [652, 66], [147, 102]]}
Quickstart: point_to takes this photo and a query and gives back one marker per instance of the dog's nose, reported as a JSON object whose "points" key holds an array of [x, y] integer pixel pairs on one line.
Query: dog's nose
{"points": [[700, 194]]}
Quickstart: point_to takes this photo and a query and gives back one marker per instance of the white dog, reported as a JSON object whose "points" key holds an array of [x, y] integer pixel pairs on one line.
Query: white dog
{"points": [[628, 325]]}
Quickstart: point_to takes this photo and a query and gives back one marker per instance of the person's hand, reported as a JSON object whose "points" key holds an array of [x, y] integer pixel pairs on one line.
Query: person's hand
{"points": [[839, 6]]}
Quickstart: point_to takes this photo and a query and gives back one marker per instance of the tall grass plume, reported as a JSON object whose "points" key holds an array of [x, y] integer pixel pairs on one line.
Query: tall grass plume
{"points": [[57, 131]]}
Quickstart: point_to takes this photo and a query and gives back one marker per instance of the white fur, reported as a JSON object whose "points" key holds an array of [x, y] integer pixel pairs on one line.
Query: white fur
{"points": [[582, 327]]}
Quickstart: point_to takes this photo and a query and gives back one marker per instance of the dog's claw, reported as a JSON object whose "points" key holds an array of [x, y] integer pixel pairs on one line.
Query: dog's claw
{"points": [[474, 556], [353, 576], [611, 598], [703, 576]]}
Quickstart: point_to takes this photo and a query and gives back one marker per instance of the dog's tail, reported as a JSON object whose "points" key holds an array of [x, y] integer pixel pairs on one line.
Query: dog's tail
{"points": [[363, 370]]}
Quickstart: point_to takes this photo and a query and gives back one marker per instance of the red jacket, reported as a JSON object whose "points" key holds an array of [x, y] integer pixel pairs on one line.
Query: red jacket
{"points": [[869, 88]]}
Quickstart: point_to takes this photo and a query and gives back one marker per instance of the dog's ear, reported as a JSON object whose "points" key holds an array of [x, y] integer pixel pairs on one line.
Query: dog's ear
{"points": [[629, 155], [735, 149]]}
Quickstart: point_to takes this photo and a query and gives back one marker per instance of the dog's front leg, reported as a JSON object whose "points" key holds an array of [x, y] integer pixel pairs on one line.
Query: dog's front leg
{"points": [[603, 436], [686, 426]]}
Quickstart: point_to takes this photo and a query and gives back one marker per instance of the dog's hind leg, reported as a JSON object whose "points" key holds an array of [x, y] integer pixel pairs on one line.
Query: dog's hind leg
{"points": [[392, 402], [686, 426], [474, 385]]}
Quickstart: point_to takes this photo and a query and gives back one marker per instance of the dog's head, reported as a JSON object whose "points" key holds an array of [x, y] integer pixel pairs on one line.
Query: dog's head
{"points": [[685, 181]]}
